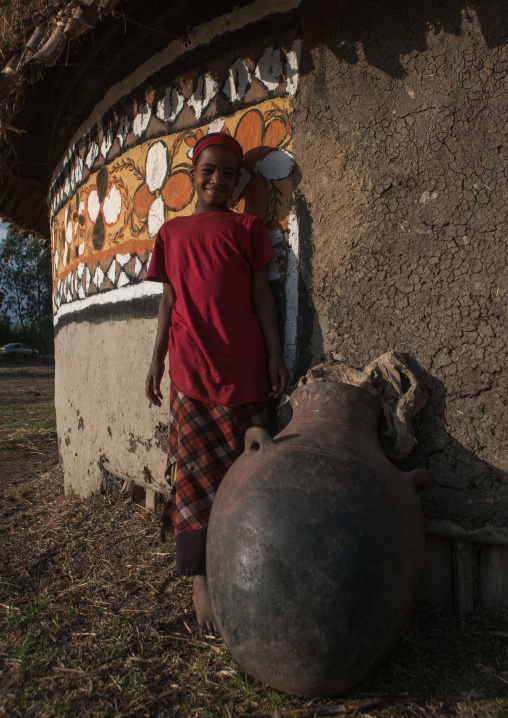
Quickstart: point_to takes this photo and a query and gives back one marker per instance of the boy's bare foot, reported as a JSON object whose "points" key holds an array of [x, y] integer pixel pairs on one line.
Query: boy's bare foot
{"points": [[202, 603]]}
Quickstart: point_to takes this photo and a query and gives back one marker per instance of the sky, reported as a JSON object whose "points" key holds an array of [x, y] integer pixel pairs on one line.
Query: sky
{"points": [[3, 230]]}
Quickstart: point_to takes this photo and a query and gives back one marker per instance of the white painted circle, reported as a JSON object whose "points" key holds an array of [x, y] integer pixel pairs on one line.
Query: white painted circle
{"points": [[156, 216], [112, 205], [94, 206], [156, 165], [276, 165]]}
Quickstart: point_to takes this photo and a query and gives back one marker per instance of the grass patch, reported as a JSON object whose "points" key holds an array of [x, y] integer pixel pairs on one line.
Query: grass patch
{"points": [[35, 422], [16, 616], [94, 622], [27, 412]]}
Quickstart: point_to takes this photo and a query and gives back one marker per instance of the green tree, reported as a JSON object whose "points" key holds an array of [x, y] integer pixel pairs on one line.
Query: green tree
{"points": [[25, 282], [5, 322]]}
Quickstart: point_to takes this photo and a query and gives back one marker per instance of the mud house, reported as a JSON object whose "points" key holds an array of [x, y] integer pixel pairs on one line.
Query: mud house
{"points": [[376, 147]]}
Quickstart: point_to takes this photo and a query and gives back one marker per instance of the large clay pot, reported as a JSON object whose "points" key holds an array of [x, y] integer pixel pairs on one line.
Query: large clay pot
{"points": [[315, 545]]}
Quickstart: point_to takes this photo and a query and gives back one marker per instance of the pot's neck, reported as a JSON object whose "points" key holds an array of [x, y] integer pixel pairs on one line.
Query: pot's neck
{"points": [[333, 401]]}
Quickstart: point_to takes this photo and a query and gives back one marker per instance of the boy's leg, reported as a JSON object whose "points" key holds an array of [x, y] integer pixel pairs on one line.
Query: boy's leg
{"points": [[202, 605], [191, 552], [208, 439], [191, 561]]}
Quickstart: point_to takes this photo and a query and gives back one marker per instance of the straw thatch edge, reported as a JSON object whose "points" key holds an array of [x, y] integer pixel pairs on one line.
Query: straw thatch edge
{"points": [[34, 40]]}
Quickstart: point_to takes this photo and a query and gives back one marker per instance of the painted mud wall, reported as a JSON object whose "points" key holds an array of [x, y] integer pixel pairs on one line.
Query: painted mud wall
{"points": [[376, 138], [124, 174], [401, 126]]}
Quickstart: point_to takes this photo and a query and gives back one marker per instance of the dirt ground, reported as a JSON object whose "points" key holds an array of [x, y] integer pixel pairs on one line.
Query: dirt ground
{"points": [[93, 621]]}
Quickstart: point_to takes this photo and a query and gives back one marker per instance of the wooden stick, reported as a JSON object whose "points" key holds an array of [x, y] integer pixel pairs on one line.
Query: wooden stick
{"points": [[10, 608], [126, 536], [342, 709], [76, 671], [192, 642], [84, 634], [464, 577], [135, 480]]}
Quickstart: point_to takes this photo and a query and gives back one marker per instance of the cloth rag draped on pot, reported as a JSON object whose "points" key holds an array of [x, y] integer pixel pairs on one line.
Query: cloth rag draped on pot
{"points": [[390, 378]]}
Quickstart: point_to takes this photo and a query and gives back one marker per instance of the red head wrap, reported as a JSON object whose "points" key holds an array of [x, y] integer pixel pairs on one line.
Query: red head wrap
{"points": [[218, 138]]}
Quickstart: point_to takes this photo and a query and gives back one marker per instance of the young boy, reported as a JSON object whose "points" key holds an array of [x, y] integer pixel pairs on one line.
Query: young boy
{"points": [[225, 358]]}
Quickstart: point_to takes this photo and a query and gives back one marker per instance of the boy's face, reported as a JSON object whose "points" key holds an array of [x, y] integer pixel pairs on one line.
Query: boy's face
{"points": [[215, 177]]}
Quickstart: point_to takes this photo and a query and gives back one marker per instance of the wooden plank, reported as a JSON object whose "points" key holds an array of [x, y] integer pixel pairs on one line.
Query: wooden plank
{"points": [[463, 558], [436, 584], [449, 530], [493, 576], [150, 498]]}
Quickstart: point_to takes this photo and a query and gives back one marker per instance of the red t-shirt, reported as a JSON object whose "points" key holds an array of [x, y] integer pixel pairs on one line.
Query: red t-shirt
{"points": [[216, 348]]}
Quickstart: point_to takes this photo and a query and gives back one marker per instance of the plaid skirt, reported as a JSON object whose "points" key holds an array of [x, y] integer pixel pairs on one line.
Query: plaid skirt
{"points": [[204, 440]]}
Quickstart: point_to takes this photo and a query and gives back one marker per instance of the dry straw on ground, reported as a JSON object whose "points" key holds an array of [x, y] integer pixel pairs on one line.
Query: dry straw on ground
{"points": [[94, 622]]}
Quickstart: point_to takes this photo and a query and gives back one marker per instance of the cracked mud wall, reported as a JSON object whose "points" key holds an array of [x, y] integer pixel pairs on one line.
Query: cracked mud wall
{"points": [[401, 137]]}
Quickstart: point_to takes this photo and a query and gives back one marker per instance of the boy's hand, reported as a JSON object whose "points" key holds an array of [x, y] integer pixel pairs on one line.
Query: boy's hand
{"points": [[153, 383], [279, 376]]}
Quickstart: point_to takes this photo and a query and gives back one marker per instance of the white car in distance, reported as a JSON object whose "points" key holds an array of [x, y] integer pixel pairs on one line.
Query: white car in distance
{"points": [[17, 350]]}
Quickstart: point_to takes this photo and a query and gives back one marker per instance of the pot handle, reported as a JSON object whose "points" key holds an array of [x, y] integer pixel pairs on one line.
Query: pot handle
{"points": [[420, 479], [256, 437]]}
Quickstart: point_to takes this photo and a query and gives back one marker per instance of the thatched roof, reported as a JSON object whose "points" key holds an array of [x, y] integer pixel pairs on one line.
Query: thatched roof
{"points": [[18, 19], [34, 34], [33, 37]]}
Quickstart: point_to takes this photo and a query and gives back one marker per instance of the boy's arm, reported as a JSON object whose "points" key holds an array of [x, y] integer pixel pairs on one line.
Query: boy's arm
{"points": [[156, 371], [264, 306]]}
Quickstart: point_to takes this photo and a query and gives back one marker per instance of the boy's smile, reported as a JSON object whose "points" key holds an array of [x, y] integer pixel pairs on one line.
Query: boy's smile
{"points": [[215, 177]]}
